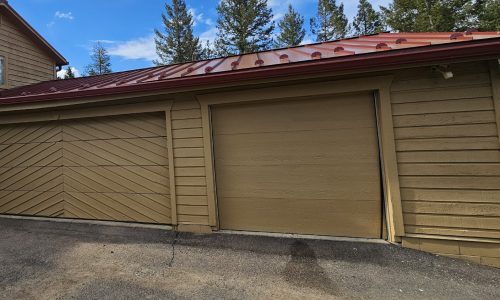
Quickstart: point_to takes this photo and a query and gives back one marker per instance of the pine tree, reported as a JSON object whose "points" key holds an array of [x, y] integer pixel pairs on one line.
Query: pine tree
{"points": [[69, 73], [243, 26], [100, 61], [488, 15], [367, 21], [330, 22], [208, 51], [429, 15], [177, 44], [292, 30], [340, 22]]}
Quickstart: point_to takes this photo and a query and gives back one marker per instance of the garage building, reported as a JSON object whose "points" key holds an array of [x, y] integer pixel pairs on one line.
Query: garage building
{"points": [[388, 136]]}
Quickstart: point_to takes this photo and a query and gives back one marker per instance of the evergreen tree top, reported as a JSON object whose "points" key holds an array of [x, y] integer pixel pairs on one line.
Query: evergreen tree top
{"points": [[176, 43], [243, 26], [291, 28]]}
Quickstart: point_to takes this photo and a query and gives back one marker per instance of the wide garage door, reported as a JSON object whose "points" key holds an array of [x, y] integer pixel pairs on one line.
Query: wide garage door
{"points": [[105, 168], [307, 166]]}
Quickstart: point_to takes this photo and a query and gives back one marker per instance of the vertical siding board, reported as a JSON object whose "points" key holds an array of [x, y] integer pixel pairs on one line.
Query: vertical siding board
{"points": [[207, 132], [391, 178], [171, 167]]}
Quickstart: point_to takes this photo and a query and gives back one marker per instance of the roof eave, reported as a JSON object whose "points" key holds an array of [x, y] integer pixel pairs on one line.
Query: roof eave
{"points": [[58, 58], [476, 49]]}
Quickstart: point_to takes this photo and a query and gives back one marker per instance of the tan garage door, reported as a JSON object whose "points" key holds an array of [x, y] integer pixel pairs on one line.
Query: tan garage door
{"points": [[307, 166], [31, 181], [106, 168]]}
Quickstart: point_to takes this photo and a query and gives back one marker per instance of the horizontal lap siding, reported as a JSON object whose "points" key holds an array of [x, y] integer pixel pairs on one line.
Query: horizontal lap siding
{"points": [[483, 253], [448, 152], [189, 163], [26, 62]]}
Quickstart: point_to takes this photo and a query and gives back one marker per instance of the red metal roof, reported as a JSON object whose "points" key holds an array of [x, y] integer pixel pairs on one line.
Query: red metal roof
{"points": [[360, 53]]}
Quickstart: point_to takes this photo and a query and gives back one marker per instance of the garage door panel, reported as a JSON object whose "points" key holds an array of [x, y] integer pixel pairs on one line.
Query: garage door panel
{"points": [[74, 182], [28, 202], [30, 133], [44, 204], [33, 154], [289, 181], [296, 115], [114, 152], [30, 179], [117, 179], [120, 207], [301, 215], [114, 127], [106, 168], [296, 147], [86, 154], [144, 152], [307, 166]]}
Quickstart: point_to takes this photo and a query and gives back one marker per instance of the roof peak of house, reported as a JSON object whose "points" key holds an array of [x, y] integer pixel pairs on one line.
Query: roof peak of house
{"points": [[29, 30], [363, 53]]}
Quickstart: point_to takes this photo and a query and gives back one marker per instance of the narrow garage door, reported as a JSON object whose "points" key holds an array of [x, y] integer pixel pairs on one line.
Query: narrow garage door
{"points": [[306, 166], [116, 168], [106, 168]]}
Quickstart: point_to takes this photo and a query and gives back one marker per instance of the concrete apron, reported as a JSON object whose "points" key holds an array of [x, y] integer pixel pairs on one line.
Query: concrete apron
{"points": [[170, 228]]}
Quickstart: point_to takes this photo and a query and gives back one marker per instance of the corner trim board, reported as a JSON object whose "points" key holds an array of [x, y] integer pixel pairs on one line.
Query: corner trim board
{"points": [[209, 165], [495, 87], [171, 166]]}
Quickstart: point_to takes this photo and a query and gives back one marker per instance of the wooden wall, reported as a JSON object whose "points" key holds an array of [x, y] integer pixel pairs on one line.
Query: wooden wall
{"points": [[26, 62], [105, 168], [189, 162], [448, 154], [31, 178]]}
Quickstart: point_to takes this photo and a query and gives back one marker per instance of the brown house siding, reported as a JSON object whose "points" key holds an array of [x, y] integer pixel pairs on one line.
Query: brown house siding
{"points": [[448, 154], [31, 179], [189, 162], [26, 62], [105, 168]]}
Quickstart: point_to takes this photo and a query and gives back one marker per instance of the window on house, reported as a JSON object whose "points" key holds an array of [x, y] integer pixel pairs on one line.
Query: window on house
{"points": [[2, 71]]}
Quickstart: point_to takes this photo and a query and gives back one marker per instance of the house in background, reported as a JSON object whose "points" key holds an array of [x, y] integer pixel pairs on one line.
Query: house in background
{"points": [[388, 136], [25, 56]]}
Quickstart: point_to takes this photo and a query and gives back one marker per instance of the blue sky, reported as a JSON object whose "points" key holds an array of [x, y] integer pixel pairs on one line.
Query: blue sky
{"points": [[126, 26]]}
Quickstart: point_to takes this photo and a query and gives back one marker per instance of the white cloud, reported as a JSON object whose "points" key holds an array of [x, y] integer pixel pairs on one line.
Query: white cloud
{"points": [[62, 73], [208, 35], [104, 41], [199, 18], [64, 15], [140, 48], [277, 16], [307, 41]]}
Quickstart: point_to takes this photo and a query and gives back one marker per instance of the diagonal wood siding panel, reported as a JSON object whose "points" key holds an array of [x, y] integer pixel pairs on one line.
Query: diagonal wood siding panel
{"points": [[106, 168], [31, 180], [116, 168]]}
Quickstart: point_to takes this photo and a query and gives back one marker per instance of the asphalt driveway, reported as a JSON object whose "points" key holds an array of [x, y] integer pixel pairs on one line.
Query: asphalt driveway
{"points": [[48, 260]]}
